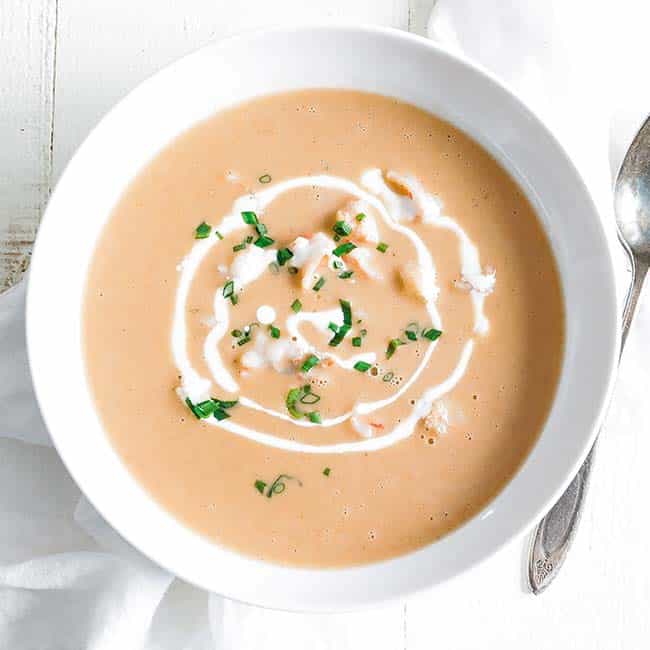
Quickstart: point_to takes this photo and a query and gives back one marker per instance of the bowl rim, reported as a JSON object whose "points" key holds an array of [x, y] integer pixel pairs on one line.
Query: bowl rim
{"points": [[400, 591]]}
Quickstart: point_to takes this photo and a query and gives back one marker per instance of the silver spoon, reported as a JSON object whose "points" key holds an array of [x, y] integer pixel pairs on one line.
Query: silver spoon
{"points": [[555, 532]]}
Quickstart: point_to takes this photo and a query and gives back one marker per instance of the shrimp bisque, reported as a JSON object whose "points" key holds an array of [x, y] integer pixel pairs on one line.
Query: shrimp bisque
{"points": [[323, 328]]}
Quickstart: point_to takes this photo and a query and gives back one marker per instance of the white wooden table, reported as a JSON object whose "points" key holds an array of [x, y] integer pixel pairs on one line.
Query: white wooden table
{"points": [[63, 63]]}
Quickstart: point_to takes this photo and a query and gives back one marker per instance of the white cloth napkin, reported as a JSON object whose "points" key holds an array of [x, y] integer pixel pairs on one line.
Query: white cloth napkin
{"points": [[69, 582]]}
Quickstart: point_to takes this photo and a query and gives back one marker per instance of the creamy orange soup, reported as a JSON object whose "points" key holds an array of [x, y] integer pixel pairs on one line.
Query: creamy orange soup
{"points": [[323, 328]]}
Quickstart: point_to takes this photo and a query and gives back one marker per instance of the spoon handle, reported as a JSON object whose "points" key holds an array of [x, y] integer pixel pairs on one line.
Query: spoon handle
{"points": [[555, 532]]}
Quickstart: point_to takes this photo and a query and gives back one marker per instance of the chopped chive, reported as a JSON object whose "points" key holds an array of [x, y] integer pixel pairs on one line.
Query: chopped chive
{"points": [[432, 334], [228, 289], [319, 284], [239, 247], [360, 217], [382, 247], [333, 326], [201, 410], [291, 400], [265, 178], [411, 335], [340, 335], [249, 239], [263, 241], [202, 231], [392, 346], [236, 333], [388, 376], [347, 312], [218, 234], [337, 264], [356, 341], [225, 404], [311, 361], [260, 486], [249, 217], [326, 471], [342, 228], [346, 274], [243, 340], [307, 397], [261, 229], [283, 256], [220, 414], [274, 331], [362, 366], [292, 270], [279, 486], [234, 299], [296, 306], [411, 331], [344, 249], [274, 268], [314, 417]]}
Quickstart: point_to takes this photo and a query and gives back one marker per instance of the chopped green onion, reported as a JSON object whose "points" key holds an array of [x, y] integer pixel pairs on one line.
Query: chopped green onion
{"points": [[275, 332], [261, 229], [239, 247], [260, 486], [356, 341], [234, 299], [218, 234], [410, 335], [432, 334], [333, 326], [249, 239], [291, 400], [236, 333], [344, 249], [264, 179], [340, 335], [311, 361], [346, 274], [382, 247], [220, 414], [308, 397], [243, 340], [201, 410], [296, 306], [228, 289], [342, 228], [225, 404], [249, 217], [314, 417], [202, 231], [388, 376], [263, 241], [293, 270], [360, 217], [347, 312], [319, 284], [392, 346], [283, 256], [337, 237], [362, 366], [327, 471], [337, 264]]}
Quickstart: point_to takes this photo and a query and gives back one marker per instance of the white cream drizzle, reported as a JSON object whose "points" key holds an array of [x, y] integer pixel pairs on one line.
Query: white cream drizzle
{"points": [[248, 265]]}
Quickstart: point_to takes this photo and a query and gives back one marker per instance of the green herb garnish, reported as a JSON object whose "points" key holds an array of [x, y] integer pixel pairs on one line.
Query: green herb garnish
{"points": [[326, 471], [239, 247], [220, 414], [243, 340], [392, 346], [229, 291], [265, 178], [347, 312], [236, 333], [283, 256], [218, 234], [362, 366], [344, 249], [259, 486], [333, 326], [296, 306], [209, 407], [302, 395], [342, 228], [202, 231], [337, 264], [432, 334], [274, 331], [319, 284], [261, 229], [382, 247], [388, 376], [263, 241], [360, 217], [277, 487], [339, 335], [314, 417], [311, 361], [356, 341], [344, 275], [249, 217]]}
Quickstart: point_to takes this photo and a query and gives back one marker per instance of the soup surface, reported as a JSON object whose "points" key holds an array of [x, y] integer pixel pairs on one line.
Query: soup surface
{"points": [[323, 327]]}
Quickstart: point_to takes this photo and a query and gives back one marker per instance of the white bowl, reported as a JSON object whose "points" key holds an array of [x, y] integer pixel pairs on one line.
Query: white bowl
{"points": [[371, 59]]}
